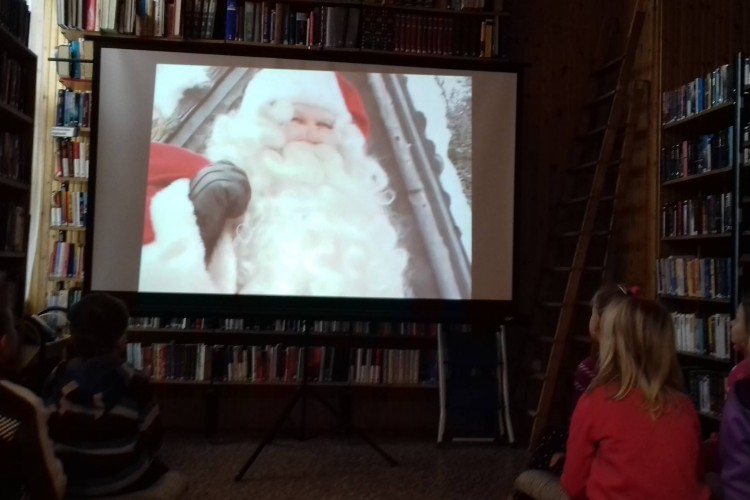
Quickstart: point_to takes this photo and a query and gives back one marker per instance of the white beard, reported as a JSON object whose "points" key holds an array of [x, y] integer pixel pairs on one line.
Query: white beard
{"points": [[318, 221]]}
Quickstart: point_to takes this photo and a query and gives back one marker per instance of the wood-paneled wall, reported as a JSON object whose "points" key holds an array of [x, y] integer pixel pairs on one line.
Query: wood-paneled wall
{"points": [[681, 39]]}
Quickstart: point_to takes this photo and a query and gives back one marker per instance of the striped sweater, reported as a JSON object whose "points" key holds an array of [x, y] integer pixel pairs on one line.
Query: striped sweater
{"points": [[105, 424], [28, 467]]}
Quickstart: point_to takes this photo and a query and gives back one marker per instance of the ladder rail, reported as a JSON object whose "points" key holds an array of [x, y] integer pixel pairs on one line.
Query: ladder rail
{"points": [[572, 287]]}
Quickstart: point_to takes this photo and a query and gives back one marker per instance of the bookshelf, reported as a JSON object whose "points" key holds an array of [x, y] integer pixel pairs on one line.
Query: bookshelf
{"points": [[251, 352], [69, 179], [699, 268], [17, 85], [415, 28]]}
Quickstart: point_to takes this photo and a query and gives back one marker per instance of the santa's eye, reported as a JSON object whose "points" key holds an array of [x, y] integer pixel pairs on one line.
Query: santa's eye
{"points": [[298, 120], [325, 125]]}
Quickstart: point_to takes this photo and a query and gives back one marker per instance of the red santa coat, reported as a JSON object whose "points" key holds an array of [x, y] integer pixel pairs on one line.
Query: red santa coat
{"points": [[173, 253], [167, 163]]}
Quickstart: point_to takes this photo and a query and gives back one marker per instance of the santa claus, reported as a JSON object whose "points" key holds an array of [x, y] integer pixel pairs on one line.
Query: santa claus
{"points": [[287, 200]]}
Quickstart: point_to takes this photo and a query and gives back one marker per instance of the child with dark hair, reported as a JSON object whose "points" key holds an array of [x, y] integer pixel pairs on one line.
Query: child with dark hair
{"points": [[28, 467], [550, 453], [104, 419]]}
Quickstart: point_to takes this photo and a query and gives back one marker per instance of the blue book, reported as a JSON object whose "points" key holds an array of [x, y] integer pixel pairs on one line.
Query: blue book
{"points": [[231, 26]]}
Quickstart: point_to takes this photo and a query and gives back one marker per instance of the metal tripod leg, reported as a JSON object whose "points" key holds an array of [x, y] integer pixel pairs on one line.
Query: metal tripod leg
{"points": [[271, 435], [364, 437]]}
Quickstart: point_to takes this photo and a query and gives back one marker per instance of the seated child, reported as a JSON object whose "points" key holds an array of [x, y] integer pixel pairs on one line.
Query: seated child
{"points": [[735, 443], [36, 473], [740, 334], [740, 337], [550, 453], [634, 433], [104, 420]]}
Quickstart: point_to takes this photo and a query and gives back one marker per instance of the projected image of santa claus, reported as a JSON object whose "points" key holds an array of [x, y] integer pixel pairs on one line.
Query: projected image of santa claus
{"points": [[286, 199]]}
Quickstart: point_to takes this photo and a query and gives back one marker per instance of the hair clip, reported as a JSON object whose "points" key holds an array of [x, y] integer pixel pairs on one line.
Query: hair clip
{"points": [[634, 290]]}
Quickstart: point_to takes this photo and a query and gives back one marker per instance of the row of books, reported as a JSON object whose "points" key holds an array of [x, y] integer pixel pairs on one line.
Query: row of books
{"points": [[13, 165], [690, 276], [72, 157], [281, 23], [15, 17], [281, 364], [704, 92], [63, 297], [707, 152], [703, 335], [360, 25], [69, 208], [430, 34], [711, 214], [377, 328], [70, 55], [13, 82], [73, 108], [13, 219], [66, 260], [707, 390]]}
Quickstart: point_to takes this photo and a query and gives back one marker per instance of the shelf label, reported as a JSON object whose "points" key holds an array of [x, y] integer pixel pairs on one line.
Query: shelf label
{"points": [[64, 131]]}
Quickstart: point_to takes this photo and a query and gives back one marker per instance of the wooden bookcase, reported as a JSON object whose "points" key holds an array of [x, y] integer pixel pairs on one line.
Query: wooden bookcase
{"points": [[69, 197], [445, 29], [743, 182], [17, 98], [698, 271]]}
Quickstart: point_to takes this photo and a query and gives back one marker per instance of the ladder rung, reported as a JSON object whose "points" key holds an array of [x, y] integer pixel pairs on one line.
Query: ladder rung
{"points": [[572, 234], [532, 413], [591, 133], [600, 99], [582, 199], [551, 304], [585, 339], [563, 269], [609, 65], [592, 164]]}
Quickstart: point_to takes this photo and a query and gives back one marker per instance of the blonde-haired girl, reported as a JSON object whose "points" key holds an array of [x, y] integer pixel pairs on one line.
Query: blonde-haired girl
{"points": [[634, 433]]}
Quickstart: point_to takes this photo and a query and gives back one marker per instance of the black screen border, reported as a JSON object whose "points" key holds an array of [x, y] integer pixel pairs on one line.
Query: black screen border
{"points": [[295, 307]]}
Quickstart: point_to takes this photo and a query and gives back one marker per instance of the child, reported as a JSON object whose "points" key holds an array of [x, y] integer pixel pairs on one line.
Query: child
{"points": [[28, 467], [550, 453], [104, 420], [735, 443], [634, 434], [740, 334]]}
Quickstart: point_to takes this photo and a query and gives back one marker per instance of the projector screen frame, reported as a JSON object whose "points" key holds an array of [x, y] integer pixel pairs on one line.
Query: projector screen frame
{"points": [[141, 303]]}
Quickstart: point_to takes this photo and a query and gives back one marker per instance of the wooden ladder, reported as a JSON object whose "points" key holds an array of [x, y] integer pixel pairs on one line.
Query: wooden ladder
{"points": [[581, 236]]}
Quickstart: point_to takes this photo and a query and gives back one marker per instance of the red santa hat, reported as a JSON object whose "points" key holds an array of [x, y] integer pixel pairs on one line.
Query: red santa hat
{"points": [[325, 89]]}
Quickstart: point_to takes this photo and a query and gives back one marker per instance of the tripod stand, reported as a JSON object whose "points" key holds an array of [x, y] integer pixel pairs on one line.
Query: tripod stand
{"points": [[300, 396]]}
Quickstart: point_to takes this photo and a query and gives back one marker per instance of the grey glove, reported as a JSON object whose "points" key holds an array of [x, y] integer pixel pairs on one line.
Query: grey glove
{"points": [[219, 192]]}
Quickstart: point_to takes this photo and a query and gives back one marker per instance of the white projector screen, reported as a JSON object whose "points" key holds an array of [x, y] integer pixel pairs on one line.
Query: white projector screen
{"points": [[249, 176]]}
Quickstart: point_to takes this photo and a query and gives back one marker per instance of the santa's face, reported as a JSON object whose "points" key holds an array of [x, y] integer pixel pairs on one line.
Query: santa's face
{"points": [[319, 222], [310, 124]]}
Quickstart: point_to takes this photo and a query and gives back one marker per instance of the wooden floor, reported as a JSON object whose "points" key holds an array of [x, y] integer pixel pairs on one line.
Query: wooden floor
{"points": [[337, 468]]}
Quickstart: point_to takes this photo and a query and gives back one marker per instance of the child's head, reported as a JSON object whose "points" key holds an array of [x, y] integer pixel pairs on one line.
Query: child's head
{"points": [[98, 324], [604, 297], [637, 351], [740, 331]]}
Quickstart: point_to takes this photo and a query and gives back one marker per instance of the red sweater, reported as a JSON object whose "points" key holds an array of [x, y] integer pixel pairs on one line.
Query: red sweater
{"points": [[616, 450]]}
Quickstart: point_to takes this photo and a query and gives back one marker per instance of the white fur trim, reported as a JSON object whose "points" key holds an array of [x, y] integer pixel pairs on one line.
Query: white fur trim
{"points": [[315, 88], [174, 261]]}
